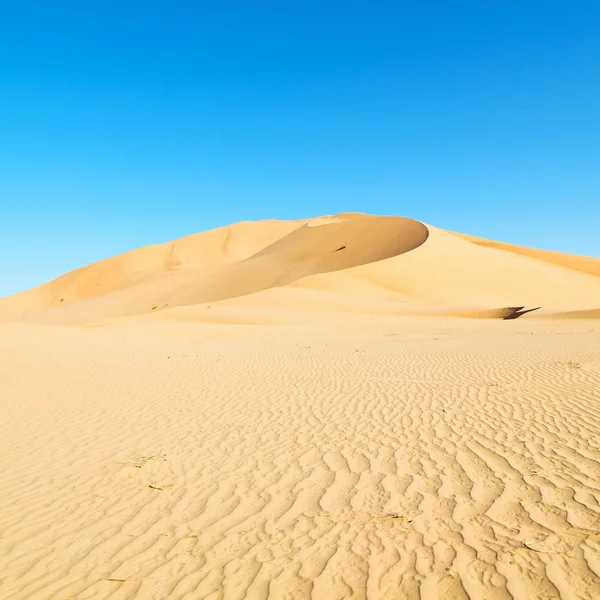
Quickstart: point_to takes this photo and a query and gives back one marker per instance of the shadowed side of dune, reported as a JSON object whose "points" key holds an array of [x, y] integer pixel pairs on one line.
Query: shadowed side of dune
{"points": [[309, 250]]}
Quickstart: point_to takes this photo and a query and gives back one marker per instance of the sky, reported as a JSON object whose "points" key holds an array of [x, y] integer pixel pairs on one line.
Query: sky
{"points": [[124, 124]]}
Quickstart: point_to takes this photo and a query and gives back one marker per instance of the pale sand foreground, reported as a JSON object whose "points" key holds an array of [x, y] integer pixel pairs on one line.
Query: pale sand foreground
{"points": [[391, 457]]}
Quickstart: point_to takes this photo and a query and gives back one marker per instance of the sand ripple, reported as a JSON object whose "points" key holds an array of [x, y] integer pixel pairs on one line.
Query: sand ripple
{"points": [[437, 459]]}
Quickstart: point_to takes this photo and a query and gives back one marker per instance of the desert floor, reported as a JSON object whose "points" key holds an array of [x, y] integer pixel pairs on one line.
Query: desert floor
{"points": [[401, 458]]}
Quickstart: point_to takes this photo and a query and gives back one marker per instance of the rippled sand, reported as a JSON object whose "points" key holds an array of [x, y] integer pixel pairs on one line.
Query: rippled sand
{"points": [[418, 458]]}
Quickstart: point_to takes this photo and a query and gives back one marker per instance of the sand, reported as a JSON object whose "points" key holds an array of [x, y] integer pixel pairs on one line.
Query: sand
{"points": [[257, 412]]}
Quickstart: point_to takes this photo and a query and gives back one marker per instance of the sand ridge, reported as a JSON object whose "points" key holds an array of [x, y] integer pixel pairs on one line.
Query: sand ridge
{"points": [[585, 264]]}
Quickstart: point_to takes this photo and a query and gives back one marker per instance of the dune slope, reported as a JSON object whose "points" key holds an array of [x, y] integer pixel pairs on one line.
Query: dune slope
{"points": [[190, 256], [585, 264]]}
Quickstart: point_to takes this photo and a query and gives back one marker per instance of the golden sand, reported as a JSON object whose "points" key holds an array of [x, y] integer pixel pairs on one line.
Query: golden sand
{"points": [[331, 408]]}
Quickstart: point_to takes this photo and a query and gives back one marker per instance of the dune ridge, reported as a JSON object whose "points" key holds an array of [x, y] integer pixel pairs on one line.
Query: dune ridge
{"points": [[585, 264]]}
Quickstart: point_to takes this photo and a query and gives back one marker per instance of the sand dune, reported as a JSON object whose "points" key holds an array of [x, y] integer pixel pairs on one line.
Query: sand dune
{"points": [[372, 258], [334, 408]]}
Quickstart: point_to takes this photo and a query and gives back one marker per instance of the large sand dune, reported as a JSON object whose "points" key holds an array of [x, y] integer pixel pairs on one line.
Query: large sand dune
{"points": [[403, 261], [333, 408]]}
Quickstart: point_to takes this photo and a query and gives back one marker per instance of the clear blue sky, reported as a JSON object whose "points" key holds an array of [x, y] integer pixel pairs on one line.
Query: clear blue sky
{"points": [[126, 123]]}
